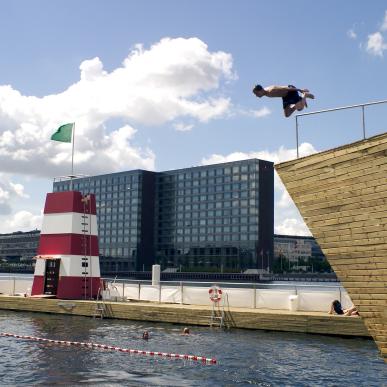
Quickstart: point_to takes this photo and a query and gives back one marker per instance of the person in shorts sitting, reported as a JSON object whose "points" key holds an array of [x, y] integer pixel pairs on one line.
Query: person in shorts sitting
{"points": [[336, 308]]}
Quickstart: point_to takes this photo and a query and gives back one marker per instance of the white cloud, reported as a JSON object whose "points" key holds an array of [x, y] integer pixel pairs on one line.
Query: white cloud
{"points": [[173, 78], [259, 113], [9, 193], [287, 218], [21, 221], [180, 127], [351, 34], [376, 44], [292, 226]]}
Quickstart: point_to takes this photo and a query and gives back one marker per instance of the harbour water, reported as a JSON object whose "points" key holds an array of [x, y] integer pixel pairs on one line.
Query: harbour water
{"points": [[244, 357]]}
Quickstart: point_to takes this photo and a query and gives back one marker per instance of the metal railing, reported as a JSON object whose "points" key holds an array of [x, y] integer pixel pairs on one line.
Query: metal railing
{"points": [[362, 106]]}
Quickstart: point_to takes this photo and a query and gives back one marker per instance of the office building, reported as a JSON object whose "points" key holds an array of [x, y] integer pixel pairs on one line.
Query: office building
{"points": [[215, 217], [19, 247]]}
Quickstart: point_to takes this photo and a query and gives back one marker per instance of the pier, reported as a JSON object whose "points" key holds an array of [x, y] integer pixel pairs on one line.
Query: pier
{"points": [[342, 195], [247, 318]]}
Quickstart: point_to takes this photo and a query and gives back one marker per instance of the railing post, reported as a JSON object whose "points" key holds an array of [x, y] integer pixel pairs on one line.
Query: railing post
{"points": [[14, 286], [363, 120], [255, 296], [297, 136], [181, 293], [139, 291], [123, 290]]}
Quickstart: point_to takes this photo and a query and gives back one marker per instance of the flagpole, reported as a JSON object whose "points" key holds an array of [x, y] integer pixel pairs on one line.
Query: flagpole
{"points": [[72, 158]]}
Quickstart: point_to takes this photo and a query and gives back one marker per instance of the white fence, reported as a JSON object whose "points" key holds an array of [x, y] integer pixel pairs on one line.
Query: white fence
{"points": [[257, 296]]}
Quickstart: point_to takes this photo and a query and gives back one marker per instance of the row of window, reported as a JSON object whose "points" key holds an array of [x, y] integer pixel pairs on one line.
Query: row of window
{"points": [[207, 182], [202, 188], [209, 172], [106, 240], [99, 187], [210, 230], [208, 238]]}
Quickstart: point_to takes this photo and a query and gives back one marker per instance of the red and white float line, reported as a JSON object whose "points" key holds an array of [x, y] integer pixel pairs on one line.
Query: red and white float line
{"points": [[203, 359]]}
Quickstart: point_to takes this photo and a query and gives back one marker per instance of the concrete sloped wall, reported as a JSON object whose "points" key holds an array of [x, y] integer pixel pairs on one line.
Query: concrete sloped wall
{"points": [[342, 196]]}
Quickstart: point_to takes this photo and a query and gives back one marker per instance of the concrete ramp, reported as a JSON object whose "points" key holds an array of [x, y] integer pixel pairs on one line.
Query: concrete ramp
{"points": [[342, 195]]}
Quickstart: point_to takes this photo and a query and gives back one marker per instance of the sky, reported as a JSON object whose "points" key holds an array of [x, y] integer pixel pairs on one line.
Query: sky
{"points": [[162, 85]]}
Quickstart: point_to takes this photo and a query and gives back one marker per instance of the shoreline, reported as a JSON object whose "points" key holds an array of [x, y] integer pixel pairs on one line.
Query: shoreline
{"points": [[244, 318]]}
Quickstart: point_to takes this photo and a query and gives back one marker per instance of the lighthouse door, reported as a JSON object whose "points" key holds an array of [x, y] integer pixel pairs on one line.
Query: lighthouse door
{"points": [[51, 276]]}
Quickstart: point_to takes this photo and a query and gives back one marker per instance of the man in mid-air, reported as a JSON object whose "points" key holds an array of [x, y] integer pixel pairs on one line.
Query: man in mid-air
{"points": [[291, 99]]}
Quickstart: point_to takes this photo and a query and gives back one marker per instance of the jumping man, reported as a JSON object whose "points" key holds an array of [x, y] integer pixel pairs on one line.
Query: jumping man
{"points": [[291, 99]]}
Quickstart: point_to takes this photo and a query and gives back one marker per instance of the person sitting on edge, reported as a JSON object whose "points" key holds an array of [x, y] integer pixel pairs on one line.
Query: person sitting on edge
{"points": [[291, 99], [336, 308], [145, 335]]}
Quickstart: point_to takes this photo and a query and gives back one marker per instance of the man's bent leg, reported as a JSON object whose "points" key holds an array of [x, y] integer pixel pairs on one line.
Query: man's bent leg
{"points": [[289, 110]]}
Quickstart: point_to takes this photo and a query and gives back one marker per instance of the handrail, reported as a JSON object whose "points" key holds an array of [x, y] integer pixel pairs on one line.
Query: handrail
{"points": [[232, 284], [362, 105]]}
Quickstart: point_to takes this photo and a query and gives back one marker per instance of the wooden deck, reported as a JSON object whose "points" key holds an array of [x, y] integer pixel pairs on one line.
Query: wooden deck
{"points": [[342, 196], [273, 320]]}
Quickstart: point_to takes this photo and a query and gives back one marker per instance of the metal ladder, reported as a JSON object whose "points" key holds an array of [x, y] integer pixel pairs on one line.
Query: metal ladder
{"points": [[86, 259], [100, 307], [218, 314]]}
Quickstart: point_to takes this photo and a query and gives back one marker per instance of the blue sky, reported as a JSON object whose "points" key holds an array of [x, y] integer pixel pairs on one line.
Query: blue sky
{"points": [[165, 85]]}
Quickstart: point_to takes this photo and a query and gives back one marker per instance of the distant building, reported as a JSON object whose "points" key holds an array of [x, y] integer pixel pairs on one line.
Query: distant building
{"points": [[209, 217], [294, 248], [19, 247]]}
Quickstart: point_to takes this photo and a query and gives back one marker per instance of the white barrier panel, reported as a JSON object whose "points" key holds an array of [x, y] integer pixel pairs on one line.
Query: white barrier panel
{"points": [[273, 299], [131, 291], [22, 285], [346, 301], [150, 293], [316, 301], [11, 286], [171, 294], [6, 286], [239, 298], [196, 296]]}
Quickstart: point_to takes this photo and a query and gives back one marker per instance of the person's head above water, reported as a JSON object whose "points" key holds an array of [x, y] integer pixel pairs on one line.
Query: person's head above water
{"points": [[186, 331], [259, 91], [145, 335]]}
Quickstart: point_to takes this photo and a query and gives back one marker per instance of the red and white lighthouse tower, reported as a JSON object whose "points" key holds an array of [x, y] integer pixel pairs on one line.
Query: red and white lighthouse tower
{"points": [[67, 264]]}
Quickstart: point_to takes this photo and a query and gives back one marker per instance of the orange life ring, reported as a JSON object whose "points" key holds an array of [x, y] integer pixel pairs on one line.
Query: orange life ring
{"points": [[215, 293]]}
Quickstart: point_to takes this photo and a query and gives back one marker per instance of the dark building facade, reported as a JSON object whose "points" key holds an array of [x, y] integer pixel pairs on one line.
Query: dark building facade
{"points": [[125, 212], [215, 217], [19, 247], [209, 217]]}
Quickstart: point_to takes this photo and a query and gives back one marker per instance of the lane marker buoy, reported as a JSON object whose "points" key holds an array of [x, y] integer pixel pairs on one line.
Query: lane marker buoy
{"points": [[206, 360]]}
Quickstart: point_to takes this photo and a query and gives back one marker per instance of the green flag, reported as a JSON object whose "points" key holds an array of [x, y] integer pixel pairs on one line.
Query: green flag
{"points": [[64, 133]]}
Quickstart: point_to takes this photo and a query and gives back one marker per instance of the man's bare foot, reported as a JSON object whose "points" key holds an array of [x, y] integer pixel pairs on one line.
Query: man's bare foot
{"points": [[308, 95]]}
